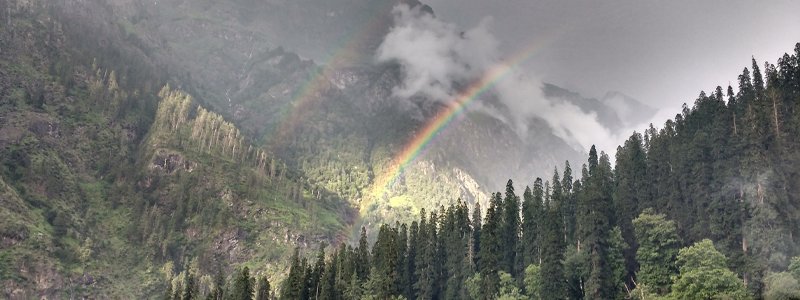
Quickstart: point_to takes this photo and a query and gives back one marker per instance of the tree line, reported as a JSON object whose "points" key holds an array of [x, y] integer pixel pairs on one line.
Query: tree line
{"points": [[705, 207]]}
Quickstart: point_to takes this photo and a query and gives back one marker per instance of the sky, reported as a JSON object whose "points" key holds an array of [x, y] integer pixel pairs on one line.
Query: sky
{"points": [[435, 54], [662, 53]]}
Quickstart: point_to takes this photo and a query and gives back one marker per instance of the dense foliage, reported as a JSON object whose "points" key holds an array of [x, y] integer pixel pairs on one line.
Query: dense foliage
{"points": [[723, 170]]}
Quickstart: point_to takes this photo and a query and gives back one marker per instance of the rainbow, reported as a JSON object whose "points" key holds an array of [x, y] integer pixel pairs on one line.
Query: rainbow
{"points": [[318, 82], [418, 143]]}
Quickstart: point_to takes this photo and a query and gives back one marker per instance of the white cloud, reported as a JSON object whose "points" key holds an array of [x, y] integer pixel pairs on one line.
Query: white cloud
{"points": [[436, 56]]}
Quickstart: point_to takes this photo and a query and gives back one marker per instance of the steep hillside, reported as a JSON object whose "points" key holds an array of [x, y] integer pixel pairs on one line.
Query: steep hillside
{"points": [[108, 186], [335, 120]]}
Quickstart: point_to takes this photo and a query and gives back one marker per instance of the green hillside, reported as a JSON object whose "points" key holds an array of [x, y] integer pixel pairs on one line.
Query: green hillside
{"points": [[105, 180]]}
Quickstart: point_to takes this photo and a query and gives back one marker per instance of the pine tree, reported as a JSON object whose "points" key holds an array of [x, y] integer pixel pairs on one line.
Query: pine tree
{"points": [[425, 271], [362, 257], [531, 218], [242, 286], [190, 287], [553, 282], [490, 252], [631, 193], [318, 269], [510, 230], [475, 246], [569, 206], [295, 281], [328, 287], [306, 290], [263, 289], [599, 284], [411, 261], [219, 287], [401, 268], [385, 260], [455, 236], [168, 293]]}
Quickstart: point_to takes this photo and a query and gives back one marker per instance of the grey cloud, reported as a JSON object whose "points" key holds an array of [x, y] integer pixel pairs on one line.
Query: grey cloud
{"points": [[435, 55]]}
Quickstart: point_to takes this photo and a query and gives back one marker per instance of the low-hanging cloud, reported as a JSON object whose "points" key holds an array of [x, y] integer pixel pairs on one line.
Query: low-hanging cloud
{"points": [[436, 56]]}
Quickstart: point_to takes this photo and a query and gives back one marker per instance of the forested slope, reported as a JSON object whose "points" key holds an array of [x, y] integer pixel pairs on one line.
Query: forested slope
{"points": [[109, 183], [705, 207]]}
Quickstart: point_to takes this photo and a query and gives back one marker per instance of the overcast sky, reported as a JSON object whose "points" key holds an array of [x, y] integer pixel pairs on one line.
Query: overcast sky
{"points": [[660, 52]]}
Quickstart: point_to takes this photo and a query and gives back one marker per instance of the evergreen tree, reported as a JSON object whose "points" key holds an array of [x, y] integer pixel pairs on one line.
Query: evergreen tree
{"points": [[510, 230], [263, 289], [353, 289], [531, 217], [295, 281], [385, 260], [631, 193], [190, 287], [598, 224], [219, 287], [317, 270], [553, 282], [168, 294], [411, 262], [425, 270], [328, 287], [475, 246], [307, 290], [242, 286], [491, 241], [401, 243], [362, 258], [569, 206]]}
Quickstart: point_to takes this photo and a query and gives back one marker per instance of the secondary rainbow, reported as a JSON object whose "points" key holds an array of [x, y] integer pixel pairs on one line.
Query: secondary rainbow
{"points": [[297, 109], [417, 144]]}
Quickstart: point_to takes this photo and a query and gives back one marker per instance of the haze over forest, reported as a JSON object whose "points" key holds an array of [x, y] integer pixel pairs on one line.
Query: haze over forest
{"points": [[398, 149]]}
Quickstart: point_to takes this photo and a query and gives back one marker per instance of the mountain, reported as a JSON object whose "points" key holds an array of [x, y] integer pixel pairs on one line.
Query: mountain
{"points": [[705, 207], [110, 182], [617, 111], [629, 110], [140, 140], [334, 121]]}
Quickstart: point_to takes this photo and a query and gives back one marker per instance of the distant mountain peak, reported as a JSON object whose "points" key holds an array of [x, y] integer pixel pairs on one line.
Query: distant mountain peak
{"points": [[631, 111], [616, 110]]}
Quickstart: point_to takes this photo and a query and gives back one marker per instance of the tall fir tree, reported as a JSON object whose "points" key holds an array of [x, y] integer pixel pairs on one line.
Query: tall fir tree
{"points": [[531, 219], [598, 224], [242, 286], [568, 209], [491, 241], [510, 230], [631, 193], [264, 289], [362, 256], [475, 245], [553, 281]]}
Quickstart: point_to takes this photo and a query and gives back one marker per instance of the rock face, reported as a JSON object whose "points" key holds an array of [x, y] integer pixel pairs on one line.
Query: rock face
{"points": [[171, 162]]}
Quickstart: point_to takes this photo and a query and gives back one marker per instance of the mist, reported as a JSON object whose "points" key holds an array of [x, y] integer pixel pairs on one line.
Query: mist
{"points": [[438, 58]]}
